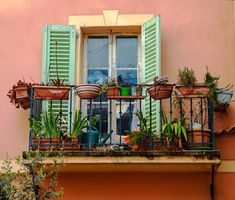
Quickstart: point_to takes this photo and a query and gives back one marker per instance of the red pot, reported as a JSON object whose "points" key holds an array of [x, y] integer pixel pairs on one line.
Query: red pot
{"points": [[196, 90], [21, 91], [199, 138], [160, 91], [51, 92], [113, 91]]}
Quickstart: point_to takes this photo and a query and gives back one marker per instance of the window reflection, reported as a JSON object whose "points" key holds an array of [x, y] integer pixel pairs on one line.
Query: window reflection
{"points": [[127, 52]]}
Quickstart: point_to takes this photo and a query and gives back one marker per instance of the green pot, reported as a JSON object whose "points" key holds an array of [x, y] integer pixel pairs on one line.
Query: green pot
{"points": [[125, 91]]}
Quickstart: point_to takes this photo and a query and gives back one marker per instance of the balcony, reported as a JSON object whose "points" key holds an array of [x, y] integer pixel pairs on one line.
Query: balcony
{"points": [[136, 130]]}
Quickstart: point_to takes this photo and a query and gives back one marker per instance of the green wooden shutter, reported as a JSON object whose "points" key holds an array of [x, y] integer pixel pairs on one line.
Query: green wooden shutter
{"points": [[65, 36], [151, 65]]}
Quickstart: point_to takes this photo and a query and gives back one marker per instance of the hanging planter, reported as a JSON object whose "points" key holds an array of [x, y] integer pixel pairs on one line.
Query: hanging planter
{"points": [[195, 90], [19, 95], [160, 91], [224, 96], [88, 91], [42, 92]]}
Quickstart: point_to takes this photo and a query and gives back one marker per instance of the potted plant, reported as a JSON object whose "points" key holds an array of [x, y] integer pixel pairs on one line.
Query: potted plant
{"points": [[188, 85], [46, 130], [55, 90], [125, 88], [71, 140], [20, 94], [173, 132], [138, 89], [220, 97], [139, 139], [88, 91], [111, 87], [160, 89]]}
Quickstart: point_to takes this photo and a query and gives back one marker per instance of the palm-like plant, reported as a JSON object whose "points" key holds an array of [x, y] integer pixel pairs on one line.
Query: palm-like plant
{"points": [[143, 123], [174, 129], [79, 123], [50, 124]]}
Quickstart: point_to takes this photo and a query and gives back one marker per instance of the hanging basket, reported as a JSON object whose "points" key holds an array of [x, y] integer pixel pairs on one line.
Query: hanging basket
{"points": [[160, 91], [88, 91], [51, 92], [21, 91], [224, 96], [196, 90]]}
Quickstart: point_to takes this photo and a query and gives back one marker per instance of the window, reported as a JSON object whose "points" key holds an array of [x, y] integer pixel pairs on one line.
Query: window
{"points": [[105, 57], [112, 56]]}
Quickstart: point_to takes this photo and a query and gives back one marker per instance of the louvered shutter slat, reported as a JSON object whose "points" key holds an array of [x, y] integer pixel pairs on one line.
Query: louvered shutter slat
{"points": [[65, 37], [151, 65]]}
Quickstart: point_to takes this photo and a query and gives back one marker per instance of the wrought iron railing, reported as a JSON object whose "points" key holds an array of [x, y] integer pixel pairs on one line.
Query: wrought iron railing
{"points": [[175, 123]]}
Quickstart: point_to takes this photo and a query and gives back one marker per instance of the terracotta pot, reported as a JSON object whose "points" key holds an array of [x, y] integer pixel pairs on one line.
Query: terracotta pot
{"points": [[196, 90], [160, 91], [88, 91], [24, 103], [44, 144], [71, 144], [113, 91], [197, 138], [21, 91], [51, 92]]}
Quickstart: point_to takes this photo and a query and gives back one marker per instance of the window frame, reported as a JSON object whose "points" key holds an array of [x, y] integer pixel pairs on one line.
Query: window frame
{"points": [[112, 72]]}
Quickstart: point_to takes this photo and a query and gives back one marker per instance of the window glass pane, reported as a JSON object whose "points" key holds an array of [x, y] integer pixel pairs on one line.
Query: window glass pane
{"points": [[97, 76], [127, 76], [97, 52], [128, 121], [127, 52]]}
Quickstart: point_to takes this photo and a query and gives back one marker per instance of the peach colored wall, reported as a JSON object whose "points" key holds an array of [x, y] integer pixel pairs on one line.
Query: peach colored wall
{"points": [[137, 186], [194, 33]]}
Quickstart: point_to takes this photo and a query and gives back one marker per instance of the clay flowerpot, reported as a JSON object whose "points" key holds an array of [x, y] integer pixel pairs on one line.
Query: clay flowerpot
{"points": [[198, 138], [88, 91], [51, 92], [71, 144], [160, 91], [196, 90], [44, 144], [24, 103], [113, 91], [21, 91]]}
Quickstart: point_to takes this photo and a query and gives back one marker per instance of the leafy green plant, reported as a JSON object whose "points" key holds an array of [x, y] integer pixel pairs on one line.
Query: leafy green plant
{"points": [[79, 123], [33, 179], [111, 82], [143, 123], [50, 124], [47, 124], [187, 77], [174, 129], [213, 83], [36, 126]]}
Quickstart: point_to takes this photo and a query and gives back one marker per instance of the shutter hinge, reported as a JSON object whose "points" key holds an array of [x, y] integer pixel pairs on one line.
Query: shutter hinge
{"points": [[77, 34]]}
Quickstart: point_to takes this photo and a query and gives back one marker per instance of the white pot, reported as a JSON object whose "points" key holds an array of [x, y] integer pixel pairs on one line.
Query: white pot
{"points": [[224, 96]]}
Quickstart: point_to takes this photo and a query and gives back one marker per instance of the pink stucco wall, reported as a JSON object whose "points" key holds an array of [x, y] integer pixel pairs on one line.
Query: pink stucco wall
{"points": [[195, 33]]}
